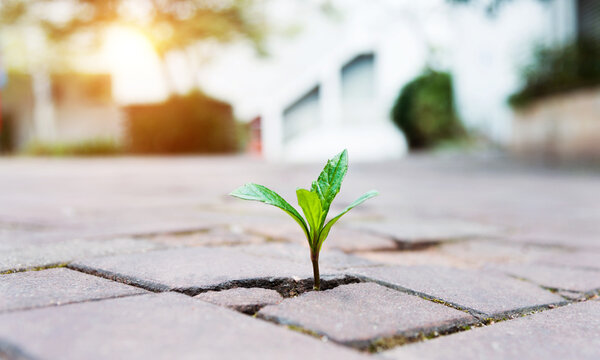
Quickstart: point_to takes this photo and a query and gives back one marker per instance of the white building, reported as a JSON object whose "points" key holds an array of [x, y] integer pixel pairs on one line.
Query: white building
{"points": [[333, 83]]}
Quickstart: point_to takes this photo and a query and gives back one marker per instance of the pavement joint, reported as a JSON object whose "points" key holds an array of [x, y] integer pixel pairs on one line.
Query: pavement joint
{"points": [[478, 314], [35, 268]]}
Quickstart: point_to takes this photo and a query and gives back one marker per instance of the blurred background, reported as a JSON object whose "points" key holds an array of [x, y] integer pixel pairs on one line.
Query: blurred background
{"points": [[298, 80]]}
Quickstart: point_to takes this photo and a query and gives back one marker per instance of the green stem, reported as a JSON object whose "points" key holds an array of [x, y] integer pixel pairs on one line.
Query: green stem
{"points": [[314, 257]]}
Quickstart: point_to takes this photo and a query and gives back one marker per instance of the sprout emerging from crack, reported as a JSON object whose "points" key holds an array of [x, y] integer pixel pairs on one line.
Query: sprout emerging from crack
{"points": [[314, 203]]}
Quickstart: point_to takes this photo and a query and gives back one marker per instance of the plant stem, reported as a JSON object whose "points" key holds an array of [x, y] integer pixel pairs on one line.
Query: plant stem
{"points": [[314, 257]]}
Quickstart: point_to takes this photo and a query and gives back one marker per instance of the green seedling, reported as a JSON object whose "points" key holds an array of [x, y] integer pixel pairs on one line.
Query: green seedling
{"points": [[314, 203]]}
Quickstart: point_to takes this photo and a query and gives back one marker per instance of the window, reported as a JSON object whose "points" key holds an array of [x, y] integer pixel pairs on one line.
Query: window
{"points": [[358, 89], [588, 19], [301, 115]]}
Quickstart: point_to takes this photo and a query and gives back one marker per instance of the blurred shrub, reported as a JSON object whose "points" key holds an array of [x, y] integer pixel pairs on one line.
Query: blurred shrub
{"points": [[559, 69], [425, 112], [193, 123], [92, 147]]}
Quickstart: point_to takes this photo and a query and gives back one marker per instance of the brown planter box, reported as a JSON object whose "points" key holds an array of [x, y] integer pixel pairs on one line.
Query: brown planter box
{"points": [[561, 127]]}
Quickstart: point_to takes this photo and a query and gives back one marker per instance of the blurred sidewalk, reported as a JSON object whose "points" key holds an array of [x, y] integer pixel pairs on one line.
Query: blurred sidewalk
{"points": [[496, 239]]}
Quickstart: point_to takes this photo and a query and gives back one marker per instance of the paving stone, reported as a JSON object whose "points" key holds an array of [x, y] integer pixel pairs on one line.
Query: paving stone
{"points": [[357, 314], [197, 269], [18, 258], [463, 254], [556, 277], [569, 332], [248, 301], [340, 238], [579, 259], [31, 289], [300, 254], [426, 230], [214, 237], [485, 294], [157, 326]]}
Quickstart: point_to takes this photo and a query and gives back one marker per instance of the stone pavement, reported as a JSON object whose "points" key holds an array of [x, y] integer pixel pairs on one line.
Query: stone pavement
{"points": [[460, 256]]}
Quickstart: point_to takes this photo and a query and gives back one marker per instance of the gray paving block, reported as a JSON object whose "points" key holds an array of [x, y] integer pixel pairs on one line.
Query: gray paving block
{"points": [[357, 314], [198, 269], [553, 277], [213, 237], [463, 254], [425, 229], [569, 332], [246, 300], [340, 238], [31, 289], [300, 254], [18, 258], [157, 326], [579, 259], [484, 294]]}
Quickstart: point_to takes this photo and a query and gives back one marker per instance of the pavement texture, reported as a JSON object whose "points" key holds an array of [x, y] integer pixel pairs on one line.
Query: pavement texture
{"points": [[461, 256]]}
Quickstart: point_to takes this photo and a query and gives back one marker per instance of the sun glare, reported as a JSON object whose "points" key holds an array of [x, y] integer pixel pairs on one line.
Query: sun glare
{"points": [[134, 65]]}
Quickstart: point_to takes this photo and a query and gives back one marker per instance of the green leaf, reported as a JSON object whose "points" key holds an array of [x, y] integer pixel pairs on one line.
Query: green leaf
{"points": [[261, 193], [311, 206], [330, 180], [325, 231]]}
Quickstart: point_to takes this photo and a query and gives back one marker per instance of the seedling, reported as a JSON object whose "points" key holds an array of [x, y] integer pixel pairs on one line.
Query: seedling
{"points": [[314, 203]]}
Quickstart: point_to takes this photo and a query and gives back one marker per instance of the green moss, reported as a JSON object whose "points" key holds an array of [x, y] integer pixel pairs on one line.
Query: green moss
{"points": [[304, 331], [35, 268]]}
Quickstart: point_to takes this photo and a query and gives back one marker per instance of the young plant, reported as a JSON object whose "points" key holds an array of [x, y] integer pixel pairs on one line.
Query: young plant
{"points": [[314, 203]]}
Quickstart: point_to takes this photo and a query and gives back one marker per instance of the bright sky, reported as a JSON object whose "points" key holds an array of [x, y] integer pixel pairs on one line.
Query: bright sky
{"points": [[136, 69]]}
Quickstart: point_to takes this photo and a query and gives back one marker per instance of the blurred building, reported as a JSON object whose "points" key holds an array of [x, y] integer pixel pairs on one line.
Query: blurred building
{"points": [[564, 126], [80, 107], [331, 83]]}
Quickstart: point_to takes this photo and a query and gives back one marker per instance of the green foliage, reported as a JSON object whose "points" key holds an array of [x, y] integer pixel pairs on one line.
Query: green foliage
{"points": [[558, 70], [169, 24], [193, 123], [315, 204], [93, 147], [425, 112]]}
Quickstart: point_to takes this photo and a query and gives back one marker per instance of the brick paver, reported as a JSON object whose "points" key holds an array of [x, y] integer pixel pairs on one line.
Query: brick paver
{"points": [[163, 326], [246, 300], [476, 233], [570, 332], [487, 295], [31, 289], [197, 269], [358, 314]]}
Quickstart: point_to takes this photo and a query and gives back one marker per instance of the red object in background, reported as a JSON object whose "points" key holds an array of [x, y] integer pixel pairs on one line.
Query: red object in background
{"points": [[255, 143]]}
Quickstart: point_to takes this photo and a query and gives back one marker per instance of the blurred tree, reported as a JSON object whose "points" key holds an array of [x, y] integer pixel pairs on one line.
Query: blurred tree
{"points": [[168, 24], [67, 28]]}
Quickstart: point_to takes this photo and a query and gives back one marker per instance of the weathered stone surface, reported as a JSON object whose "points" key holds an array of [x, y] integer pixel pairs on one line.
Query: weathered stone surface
{"points": [[569, 332], [553, 277], [300, 254], [33, 289], [357, 314], [426, 230], [579, 259], [463, 254], [18, 258], [248, 301], [157, 326], [340, 238], [214, 237], [483, 294], [197, 269]]}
